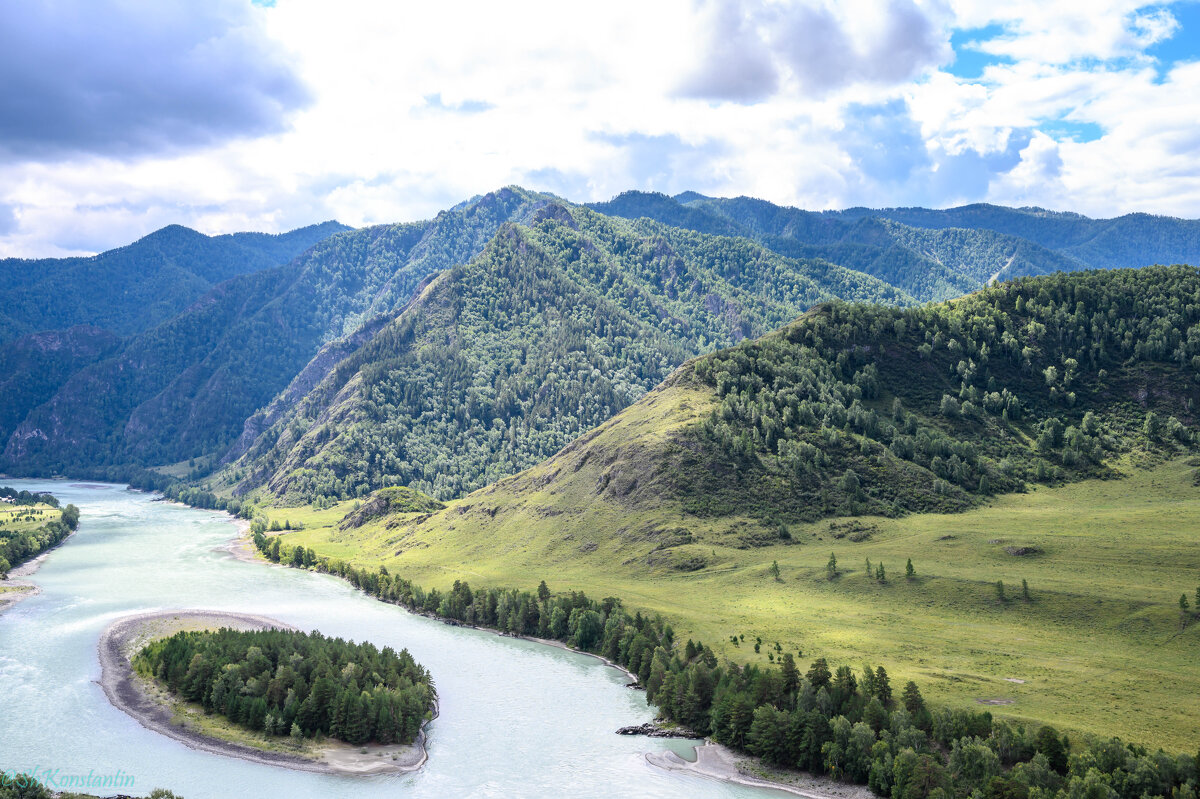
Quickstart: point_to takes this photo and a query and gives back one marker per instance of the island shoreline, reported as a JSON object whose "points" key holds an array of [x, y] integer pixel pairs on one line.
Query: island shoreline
{"points": [[121, 685]]}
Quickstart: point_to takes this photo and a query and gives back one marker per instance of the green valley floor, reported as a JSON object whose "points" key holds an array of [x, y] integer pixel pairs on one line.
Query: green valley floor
{"points": [[1099, 645]]}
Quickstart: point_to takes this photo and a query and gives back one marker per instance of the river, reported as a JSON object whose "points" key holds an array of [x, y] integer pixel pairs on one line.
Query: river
{"points": [[518, 719]]}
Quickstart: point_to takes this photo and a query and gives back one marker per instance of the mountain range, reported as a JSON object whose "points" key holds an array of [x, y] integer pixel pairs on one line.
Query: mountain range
{"points": [[450, 353]]}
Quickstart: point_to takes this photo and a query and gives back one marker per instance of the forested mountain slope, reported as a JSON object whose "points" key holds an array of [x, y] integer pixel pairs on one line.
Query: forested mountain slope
{"points": [[184, 388], [930, 264], [33, 367], [860, 409], [500, 362], [134, 288]]}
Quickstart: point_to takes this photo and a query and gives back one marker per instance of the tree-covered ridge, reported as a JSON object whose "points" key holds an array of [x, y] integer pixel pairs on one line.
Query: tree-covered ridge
{"points": [[502, 361], [23, 535], [186, 388], [860, 409], [285, 682], [929, 264], [134, 288]]}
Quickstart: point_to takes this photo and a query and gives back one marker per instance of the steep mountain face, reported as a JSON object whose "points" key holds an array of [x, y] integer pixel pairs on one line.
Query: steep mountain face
{"points": [[33, 367], [873, 410], [1132, 240], [500, 362], [185, 388], [134, 288], [930, 264]]}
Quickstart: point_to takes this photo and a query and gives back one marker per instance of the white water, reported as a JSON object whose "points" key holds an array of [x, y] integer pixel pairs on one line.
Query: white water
{"points": [[517, 718]]}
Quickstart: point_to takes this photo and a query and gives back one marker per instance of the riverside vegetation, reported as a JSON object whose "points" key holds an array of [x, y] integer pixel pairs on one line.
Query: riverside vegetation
{"points": [[852, 726], [30, 524], [287, 683]]}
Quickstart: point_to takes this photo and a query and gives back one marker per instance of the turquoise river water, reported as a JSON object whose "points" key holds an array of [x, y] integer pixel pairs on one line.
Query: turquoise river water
{"points": [[518, 719]]}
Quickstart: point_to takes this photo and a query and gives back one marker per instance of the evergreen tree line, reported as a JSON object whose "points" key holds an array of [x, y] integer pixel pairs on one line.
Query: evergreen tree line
{"points": [[283, 682], [851, 726], [18, 546]]}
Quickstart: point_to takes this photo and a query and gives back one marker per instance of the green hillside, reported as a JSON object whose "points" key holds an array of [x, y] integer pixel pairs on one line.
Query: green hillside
{"points": [[691, 500], [502, 361]]}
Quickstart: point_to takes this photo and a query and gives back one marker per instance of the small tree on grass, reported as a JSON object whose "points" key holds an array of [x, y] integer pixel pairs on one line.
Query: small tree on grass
{"points": [[775, 571], [1025, 590], [1000, 591], [909, 571], [880, 574], [831, 570]]}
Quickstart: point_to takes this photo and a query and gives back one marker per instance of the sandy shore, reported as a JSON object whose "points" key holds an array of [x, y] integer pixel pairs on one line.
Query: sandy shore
{"points": [[132, 694], [721, 763], [241, 546], [14, 591]]}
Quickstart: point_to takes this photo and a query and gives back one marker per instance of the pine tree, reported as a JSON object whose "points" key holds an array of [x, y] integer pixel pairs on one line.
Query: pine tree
{"points": [[818, 674], [880, 574], [914, 703], [775, 571], [831, 567], [909, 571], [883, 687], [791, 674], [1025, 590], [1000, 591], [357, 727]]}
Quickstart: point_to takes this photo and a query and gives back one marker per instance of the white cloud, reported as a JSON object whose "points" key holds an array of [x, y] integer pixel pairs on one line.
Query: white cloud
{"points": [[416, 107]]}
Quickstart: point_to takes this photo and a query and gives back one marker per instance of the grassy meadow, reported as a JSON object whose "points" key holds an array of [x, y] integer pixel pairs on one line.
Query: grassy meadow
{"points": [[1100, 645], [21, 518]]}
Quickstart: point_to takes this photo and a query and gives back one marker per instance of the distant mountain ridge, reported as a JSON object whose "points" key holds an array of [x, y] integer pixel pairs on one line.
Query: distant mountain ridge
{"points": [[932, 254], [185, 388], [133, 288]]}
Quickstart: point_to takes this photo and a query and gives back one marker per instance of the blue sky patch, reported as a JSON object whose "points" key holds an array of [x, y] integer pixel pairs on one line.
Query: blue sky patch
{"points": [[969, 61]]}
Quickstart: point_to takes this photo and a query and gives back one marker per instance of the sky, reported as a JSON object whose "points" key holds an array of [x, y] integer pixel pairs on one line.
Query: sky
{"points": [[119, 117]]}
